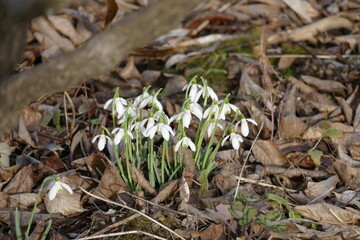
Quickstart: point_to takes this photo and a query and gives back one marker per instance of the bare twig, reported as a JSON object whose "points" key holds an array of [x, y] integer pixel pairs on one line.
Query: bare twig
{"points": [[134, 210], [264, 184], [123, 233]]}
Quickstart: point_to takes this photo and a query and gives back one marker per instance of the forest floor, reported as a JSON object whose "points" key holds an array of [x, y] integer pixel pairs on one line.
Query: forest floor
{"points": [[291, 66]]}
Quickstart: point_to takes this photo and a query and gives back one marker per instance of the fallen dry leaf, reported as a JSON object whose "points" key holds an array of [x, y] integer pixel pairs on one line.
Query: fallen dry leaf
{"points": [[320, 190], [22, 182], [268, 154], [327, 213], [110, 184], [5, 152], [138, 177]]}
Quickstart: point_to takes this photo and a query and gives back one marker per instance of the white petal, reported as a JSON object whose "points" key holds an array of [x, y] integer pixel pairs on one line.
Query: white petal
{"points": [[233, 107], [102, 142], [130, 134], [67, 187], [220, 126], [196, 98], [175, 117], [177, 146], [210, 129], [169, 129], [187, 118], [165, 133], [108, 102], [54, 190], [191, 144], [158, 104], [115, 130], [206, 113], [224, 140], [96, 137], [252, 121], [196, 109], [185, 87], [212, 93], [119, 136], [151, 132], [144, 102], [123, 101], [244, 128], [235, 144]]}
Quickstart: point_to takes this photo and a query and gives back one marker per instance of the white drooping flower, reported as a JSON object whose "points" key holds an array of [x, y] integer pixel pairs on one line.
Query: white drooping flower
{"points": [[228, 107], [185, 142], [185, 116], [120, 105], [57, 187], [235, 140], [206, 92], [215, 111], [145, 99], [161, 128], [150, 123], [212, 128], [138, 127], [102, 140], [194, 89], [120, 133], [244, 126]]}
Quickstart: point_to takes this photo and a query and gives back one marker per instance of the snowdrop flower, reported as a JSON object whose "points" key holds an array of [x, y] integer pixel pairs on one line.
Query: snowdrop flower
{"points": [[194, 89], [120, 105], [148, 99], [57, 187], [215, 110], [211, 127], [150, 123], [244, 125], [235, 140], [228, 106], [162, 128], [185, 116], [140, 98], [120, 133], [102, 140], [206, 92], [138, 127], [185, 142]]}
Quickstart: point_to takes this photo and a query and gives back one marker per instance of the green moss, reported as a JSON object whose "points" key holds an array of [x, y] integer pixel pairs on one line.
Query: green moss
{"points": [[290, 48]]}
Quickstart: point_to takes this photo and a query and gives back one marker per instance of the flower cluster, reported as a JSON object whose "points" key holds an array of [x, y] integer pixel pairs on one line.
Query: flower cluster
{"points": [[139, 121]]}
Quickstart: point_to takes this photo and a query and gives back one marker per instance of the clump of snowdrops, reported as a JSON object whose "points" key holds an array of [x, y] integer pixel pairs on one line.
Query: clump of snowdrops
{"points": [[136, 123]]}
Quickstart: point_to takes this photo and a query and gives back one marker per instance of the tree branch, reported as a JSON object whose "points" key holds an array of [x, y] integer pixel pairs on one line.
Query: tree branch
{"points": [[98, 56]]}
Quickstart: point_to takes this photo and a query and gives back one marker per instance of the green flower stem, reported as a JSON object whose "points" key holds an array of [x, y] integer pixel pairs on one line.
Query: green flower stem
{"points": [[38, 196], [151, 163], [165, 157]]}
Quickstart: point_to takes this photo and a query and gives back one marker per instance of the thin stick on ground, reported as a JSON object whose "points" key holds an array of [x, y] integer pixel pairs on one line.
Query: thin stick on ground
{"points": [[159, 206], [123, 233], [117, 224], [134, 210], [246, 159]]}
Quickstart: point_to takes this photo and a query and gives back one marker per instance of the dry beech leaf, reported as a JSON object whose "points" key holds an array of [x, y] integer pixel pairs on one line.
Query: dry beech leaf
{"points": [[303, 9], [346, 109], [175, 84], [285, 62], [5, 152], [8, 217], [312, 133], [22, 182], [214, 231], [24, 133], [357, 118], [65, 203], [225, 180], [130, 71], [96, 163], [248, 87], [110, 184], [316, 189], [268, 154], [325, 213], [149, 77], [66, 28], [348, 173], [38, 231], [55, 163], [292, 127], [257, 10], [6, 201], [328, 86], [41, 25], [31, 117], [138, 177], [112, 9], [9, 172], [26, 199], [170, 188], [309, 32]]}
